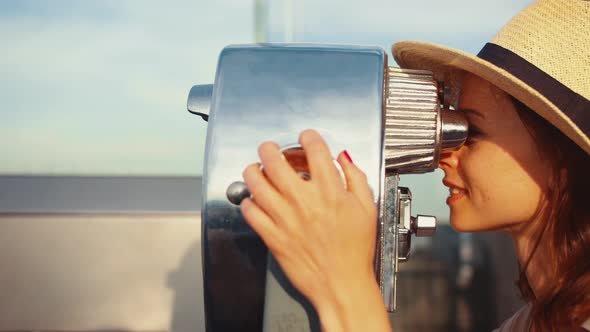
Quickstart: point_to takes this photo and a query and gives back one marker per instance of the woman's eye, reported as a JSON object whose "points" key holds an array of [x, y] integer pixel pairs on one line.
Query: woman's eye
{"points": [[473, 131], [473, 134]]}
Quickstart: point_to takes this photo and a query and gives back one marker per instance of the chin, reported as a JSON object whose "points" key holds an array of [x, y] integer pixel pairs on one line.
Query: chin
{"points": [[475, 224], [461, 227], [467, 224]]}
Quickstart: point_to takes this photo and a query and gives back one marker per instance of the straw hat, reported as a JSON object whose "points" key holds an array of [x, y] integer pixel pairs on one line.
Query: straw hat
{"points": [[541, 57]]}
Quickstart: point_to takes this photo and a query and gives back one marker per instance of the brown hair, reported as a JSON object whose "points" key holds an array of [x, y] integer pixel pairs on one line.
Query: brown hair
{"points": [[566, 219]]}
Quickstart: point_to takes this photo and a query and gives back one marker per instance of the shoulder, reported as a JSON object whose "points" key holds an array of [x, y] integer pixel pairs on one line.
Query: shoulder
{"points": [[520, 321]]}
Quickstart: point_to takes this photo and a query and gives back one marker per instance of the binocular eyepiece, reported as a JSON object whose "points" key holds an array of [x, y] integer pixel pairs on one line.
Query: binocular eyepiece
{"points": [[394, 121]]}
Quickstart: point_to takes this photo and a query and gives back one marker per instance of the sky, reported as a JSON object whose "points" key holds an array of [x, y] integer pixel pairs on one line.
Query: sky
{"points": [[99, 87]]}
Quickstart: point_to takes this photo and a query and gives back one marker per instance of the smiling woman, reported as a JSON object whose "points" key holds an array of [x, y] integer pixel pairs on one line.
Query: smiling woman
{"points": [[497, 156]]}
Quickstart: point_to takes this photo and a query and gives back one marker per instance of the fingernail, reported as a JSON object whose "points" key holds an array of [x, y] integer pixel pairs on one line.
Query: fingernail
{"points": [[347, 156]]}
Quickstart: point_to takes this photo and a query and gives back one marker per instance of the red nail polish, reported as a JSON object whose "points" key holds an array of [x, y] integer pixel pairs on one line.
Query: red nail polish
{"points": [[347, 156]]}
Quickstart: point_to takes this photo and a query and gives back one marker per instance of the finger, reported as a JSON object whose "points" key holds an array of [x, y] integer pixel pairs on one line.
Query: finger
{"points": [[319, 159], [260, 222], [356, 180], [278, 170], [262, 191]]}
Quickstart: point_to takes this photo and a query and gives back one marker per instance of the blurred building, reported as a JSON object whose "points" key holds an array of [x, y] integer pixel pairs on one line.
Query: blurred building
{"points": [[123, 254]]}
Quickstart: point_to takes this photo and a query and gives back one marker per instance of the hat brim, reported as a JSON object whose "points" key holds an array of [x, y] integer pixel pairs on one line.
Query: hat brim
{"points": [[450, 65]]}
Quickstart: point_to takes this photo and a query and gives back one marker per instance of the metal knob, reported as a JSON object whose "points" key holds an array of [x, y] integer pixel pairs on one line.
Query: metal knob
{"points": [[423, 225], [236, 192]]}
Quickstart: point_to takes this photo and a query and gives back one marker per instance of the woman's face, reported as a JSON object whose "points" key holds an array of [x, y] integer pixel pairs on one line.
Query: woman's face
{"points": [[497, 178]]}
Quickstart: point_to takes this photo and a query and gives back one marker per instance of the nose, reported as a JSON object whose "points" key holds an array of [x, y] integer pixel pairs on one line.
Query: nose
{"points": [[449, 160]]}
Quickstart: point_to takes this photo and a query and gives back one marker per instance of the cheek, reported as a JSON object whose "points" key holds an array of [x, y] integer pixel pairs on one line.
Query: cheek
{"points": [[516, 202], [501, 191]]}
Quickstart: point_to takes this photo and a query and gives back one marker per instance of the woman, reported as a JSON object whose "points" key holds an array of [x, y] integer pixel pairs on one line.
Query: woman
{"points": [[524, 169]]}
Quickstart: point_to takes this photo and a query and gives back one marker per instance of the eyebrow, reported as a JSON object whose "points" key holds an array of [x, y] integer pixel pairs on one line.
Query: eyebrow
{"points": [[472, 112]]}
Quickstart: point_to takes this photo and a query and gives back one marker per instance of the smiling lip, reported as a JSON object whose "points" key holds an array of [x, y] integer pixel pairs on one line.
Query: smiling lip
{"points": [[456, 192], [454, 197]]}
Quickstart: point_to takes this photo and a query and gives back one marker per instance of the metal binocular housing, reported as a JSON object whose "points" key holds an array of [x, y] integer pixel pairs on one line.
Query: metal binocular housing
{"points": [[393, 121]]}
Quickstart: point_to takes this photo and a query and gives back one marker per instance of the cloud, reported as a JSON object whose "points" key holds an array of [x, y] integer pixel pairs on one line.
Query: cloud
{"points": [[107, 79], [92, 80], [455, 16], [387, 21]]}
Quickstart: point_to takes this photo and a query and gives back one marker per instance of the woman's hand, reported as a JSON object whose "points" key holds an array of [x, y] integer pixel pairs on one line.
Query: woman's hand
{"points": [[321, 231]]}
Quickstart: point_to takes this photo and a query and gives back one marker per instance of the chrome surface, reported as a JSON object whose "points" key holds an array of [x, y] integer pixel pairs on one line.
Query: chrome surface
{"points": [[445, 95], [454, 130], [404, 213], [417, 130], [412, 121], [285, 309], [421, 225], [199, 100], [388, 245], [424, 225], [236, 192], [273, 92]]}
